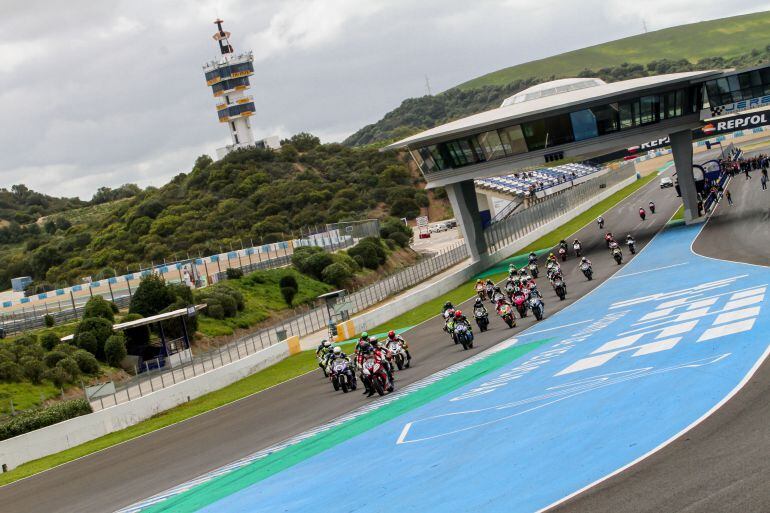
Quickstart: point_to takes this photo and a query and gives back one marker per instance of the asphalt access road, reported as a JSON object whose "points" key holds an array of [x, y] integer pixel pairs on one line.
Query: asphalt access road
{"points": [[124, 474], [723, 464]]}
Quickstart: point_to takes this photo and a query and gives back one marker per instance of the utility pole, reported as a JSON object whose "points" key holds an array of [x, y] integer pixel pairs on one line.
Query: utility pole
{"points": [[427, 86], [644, 24]]}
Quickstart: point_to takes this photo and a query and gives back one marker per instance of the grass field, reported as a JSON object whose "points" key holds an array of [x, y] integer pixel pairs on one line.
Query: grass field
{"points": [[726, 37]]}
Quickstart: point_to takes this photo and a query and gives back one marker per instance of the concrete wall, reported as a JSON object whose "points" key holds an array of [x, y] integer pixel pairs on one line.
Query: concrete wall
{"points": [[67, 434], [426, 293]]}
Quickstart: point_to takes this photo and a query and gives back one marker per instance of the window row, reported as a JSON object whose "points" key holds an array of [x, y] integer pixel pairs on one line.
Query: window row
{"points": [[743, 86], [235, 110], [227, 85], [552, 131], [228, 71]]}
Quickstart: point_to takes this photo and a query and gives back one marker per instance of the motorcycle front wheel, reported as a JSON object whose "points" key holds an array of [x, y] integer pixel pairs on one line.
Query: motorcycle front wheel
{"points": [[378, 386], [344, 387]]}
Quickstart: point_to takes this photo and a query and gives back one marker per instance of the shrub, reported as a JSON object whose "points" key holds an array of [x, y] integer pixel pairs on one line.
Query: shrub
{"points": [[288, 280], [70, 367], [337, 274], [57, 376], [87, 362], [366, 254], [97, 306], [87, 342], [10, 370], [101, 329], [49, 340], [181, 291], [233, 273], [214, 309], [405, 207], [343, 258], [228, 302], [42, 417], [317, 263], [33, 369], [151, 296], [359, 259], [399, 238], [53, 357], [49, 321], [301, 256], [65, 348], [115, 349], [114, 307], [229, 299], [288, 294]]}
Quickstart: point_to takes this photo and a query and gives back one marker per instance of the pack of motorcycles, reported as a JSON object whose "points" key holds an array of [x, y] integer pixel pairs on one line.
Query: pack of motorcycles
{"points": [[521, 296]]}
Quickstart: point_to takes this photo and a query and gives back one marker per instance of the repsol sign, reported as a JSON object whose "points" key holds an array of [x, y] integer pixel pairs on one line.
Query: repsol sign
{"points": [[737, 123]]}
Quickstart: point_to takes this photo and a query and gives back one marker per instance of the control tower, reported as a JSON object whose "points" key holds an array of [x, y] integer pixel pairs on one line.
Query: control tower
{"points": [[228, 77]]}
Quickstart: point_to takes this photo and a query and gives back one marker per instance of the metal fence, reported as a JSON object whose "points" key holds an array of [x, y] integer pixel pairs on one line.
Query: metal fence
{"points": [[303, 322], [521, 223]]}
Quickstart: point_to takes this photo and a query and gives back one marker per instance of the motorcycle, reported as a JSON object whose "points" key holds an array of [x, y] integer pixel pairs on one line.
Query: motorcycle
{"points": [[642, 214], [490, 291], [533, 270], [563, 254], [482, 319], [600, 222], [652, 208], [587, 271], [509, 289], [482, 294], [374, 373], [578, 250], [521, 305], [322, 364], [617, 255], [505, 311], [537, 306], [396, 354], [608, 239], [560, 288], [449, 327], [343, 376], [464, 335], [631, 246]]}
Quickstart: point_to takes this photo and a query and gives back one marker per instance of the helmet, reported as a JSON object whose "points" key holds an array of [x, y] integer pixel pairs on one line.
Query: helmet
{"points": [[391, 334], [364, 335], [458, 314], [478, 281], [326, 343], [478, 300], [373, 340], [576, 241], [448, 304], [550, 255], [497, 289], [336, 350], [629, 236], [583, 259]]}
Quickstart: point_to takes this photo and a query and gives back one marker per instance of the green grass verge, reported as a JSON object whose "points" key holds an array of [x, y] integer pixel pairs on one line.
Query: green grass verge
{"points": [[679, 214], [497, 273], [726, 37], [25, 395]]}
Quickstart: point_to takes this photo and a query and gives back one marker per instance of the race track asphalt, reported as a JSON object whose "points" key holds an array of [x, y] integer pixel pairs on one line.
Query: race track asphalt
{"points": [[121, 475], [723, 464]]}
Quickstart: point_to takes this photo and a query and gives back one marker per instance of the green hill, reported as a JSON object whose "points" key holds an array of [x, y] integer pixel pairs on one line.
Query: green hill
{"points": [[724, 37], [739, 41]]}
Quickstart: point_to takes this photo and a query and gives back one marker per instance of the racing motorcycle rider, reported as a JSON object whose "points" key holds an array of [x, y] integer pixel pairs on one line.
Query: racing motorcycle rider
{"points": [[379, 353], [481, 291], [631, 243], [361, 343], [478, 308], [379, 357], [600, 222], [533, 258], [460, 317], [336, 354], [497, 295], [490, 287], [323, 348], [447, 306], [392, 336], [578, 247], [642, 213], [652, 207], [608, 238]]}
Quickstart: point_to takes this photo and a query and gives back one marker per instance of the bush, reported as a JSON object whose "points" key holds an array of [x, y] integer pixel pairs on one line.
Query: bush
{"points": [[53, 357], [49, 321], [70, 367], [214, 309], [42, 417], [49, 340], [343, 258], [33, 369], [151, 296], [115, 349], [399, 238], [230, 301], [97, 306], [87, 342], [101, 329], [337, 274], [366, 255], [57, 376], [65, 348], [405, 207], [114, 307], [181, 291], [288, 280], [233, 273], [301, 256], [10, 370], [317, 263], [86, 361], [288, 294]]}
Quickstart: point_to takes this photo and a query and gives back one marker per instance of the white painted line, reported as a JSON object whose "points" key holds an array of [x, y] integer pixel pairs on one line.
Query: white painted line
{"points": [[727, 329], [737, 315], [403, 434], [656, 347], [747, 293], [703, 302], [588, 363], [527, 332], [746, 301], [648, 270], [618, 343]]}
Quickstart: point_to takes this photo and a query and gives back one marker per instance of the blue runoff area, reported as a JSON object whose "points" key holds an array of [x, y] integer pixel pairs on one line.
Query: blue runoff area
{"points": [[630, 366]]}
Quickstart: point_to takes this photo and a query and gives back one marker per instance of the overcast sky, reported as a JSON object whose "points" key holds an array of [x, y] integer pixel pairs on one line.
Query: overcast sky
{"points": [[109, 92]]}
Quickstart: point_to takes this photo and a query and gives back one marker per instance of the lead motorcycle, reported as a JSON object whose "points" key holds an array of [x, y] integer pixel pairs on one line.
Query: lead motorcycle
{"points": [[617, 255], [537, 306], [588, 272], [505, 311], [560, 287], [376, 377], [342, 375]]}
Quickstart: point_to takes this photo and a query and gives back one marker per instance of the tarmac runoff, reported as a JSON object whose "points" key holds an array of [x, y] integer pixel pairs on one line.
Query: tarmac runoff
{"points": [[528, 431]]}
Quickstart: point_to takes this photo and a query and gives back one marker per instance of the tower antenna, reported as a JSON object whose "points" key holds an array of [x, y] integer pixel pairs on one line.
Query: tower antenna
{"points": [[427, 86]]}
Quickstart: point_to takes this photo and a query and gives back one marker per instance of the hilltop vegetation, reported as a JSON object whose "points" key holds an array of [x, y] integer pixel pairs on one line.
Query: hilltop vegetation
{"points": [[22, 205], [262, 195], [740, 41]]}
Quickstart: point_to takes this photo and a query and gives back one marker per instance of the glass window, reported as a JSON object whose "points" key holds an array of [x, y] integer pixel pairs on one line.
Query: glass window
{"points": [[513, 140], [534, 134], [583, 124], [491, 145], [629, 114], [607, 118], [549, 132], [424, 160], [438, 157], [648, 109]]}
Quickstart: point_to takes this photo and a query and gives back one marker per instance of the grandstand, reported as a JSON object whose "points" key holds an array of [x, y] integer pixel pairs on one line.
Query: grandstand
{"points": [[540, 181]]}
